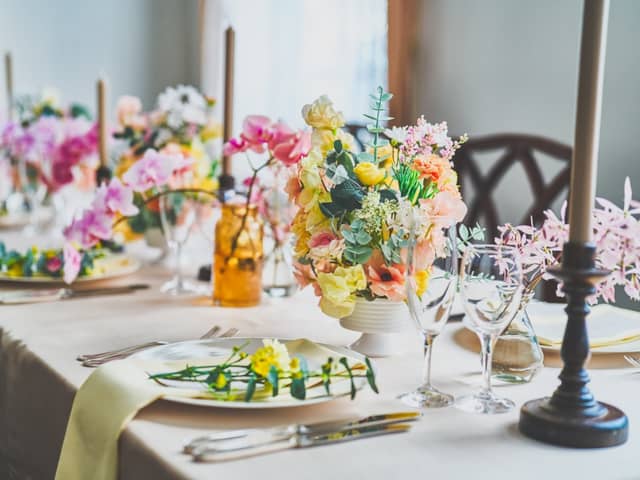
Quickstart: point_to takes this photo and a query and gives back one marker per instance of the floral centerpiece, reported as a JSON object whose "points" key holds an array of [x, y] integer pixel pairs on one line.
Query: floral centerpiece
{"points": [[356, 209], [181, 124]]}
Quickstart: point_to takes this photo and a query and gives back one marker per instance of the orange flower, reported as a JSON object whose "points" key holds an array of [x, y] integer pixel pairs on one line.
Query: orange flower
{"points": [[436, 169], [387, 281]]}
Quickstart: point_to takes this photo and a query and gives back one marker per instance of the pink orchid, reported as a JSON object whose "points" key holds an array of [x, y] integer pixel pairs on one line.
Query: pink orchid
{"points": [[280, 132], [154, 169], [90, 228], [235, 145], [115, 198], [293, 149], [72, 263], [256, 131]]}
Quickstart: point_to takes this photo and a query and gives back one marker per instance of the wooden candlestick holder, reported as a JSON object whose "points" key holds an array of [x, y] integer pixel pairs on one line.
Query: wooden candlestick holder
{"points": [[571, 416]]}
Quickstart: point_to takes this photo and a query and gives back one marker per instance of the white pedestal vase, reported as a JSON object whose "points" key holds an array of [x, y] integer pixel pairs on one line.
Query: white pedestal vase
{"points": [[384, 325]]}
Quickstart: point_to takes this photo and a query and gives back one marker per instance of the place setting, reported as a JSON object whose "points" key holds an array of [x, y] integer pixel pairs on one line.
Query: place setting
{"points": [[212, 277]]}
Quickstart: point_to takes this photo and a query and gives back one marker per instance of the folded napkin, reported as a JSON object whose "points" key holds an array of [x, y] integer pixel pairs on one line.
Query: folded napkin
{"points": [[608, 325], [111, 397]]}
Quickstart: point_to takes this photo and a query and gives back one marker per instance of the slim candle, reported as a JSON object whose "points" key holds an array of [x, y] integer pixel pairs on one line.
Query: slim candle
{"points": [[230, 44], [102, 124], [8, 67], [584, 165]]}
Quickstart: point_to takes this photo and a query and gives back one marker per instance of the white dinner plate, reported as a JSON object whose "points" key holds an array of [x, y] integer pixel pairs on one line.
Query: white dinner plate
{"points": [[22, 219], [107, 268], [175, 356]]}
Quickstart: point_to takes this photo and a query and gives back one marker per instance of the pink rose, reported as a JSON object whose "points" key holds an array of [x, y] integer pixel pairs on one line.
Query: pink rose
{"points": [[445, 208]]}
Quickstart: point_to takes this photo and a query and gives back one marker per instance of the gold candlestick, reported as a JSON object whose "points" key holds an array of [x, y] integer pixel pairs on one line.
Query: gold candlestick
{"points": [[8, 68]]}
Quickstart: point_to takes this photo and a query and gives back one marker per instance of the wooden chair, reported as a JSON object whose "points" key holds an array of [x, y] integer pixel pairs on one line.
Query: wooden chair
{"points": [[510, 150], [360, 134]]}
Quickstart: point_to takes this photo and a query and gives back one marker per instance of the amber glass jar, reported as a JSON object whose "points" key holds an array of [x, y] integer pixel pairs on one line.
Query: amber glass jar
{"points": [[238, 256]]}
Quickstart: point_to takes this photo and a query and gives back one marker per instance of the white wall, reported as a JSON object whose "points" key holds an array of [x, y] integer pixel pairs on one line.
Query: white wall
{"points": [[141, 46], [511, 66]]}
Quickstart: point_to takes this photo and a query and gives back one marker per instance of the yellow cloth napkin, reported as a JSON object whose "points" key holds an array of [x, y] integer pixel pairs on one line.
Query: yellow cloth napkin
{"points": [[111, 397]]}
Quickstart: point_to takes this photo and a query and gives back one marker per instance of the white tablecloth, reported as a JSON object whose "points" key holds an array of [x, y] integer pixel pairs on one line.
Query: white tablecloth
{"points": [[39, 376]]}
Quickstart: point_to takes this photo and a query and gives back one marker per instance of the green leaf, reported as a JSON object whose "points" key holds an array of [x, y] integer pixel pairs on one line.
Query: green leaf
{"points": [[326, 375], [251, 387], [337, 146], [365, 157], [374, 129], [78, 110], [385, 97], [331, 209], [370, 117], [345, 363], [371, 376], [348, 235], [362, 237], [273, 378], [348, 195], [298, 388]]}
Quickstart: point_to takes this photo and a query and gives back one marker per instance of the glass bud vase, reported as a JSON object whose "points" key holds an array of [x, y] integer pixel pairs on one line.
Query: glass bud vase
{"points": [[517, 354], [277, 279], [238, 256]]}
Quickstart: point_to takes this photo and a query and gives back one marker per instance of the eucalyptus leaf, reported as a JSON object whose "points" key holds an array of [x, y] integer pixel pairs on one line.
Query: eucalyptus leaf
{"points": [[371, 376], [345, 363], [273, 378], [251, 387]]}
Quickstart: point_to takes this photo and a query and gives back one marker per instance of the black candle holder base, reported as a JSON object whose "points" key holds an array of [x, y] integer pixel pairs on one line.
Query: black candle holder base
{"points": [[602, 425], [571, 416]]}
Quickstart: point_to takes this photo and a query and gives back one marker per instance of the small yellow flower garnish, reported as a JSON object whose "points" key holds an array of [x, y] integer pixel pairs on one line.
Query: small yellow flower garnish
{"points": [[221, 382], [273, 353], [422, 281]]}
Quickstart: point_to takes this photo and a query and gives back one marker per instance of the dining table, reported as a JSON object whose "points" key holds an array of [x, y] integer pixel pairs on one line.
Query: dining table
{"points": [[39, 377]]}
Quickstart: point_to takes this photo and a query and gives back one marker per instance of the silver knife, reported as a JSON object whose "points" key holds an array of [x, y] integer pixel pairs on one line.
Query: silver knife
{"points": [[254, 437], [228, 451], [16, 297]]}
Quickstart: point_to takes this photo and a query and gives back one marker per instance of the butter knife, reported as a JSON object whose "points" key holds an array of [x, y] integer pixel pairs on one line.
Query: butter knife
{"points": [[229, 451], [253, 437], [16, 297]]}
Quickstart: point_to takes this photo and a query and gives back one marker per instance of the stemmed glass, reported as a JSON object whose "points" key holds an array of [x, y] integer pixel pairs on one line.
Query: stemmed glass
{"points": [[491, 291], [35, 190], [180, 212], [430, 308]]}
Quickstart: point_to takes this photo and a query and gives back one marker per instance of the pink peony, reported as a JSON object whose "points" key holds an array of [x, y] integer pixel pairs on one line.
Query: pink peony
{"points": [[445, 208], [154, 169], [72, 263], [293, 149], [115, 198]]}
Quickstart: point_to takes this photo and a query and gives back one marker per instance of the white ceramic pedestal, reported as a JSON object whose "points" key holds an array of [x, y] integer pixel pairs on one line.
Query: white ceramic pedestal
{"points": [[383, 324]]}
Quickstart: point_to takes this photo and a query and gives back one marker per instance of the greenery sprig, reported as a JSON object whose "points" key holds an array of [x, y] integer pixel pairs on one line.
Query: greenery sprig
{"points": [[271, 369]]}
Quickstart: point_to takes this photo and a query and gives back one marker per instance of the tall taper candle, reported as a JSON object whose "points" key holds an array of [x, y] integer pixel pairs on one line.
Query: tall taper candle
{"points": [[229, 63], [584, 166], [102, 124], [8, 69]]}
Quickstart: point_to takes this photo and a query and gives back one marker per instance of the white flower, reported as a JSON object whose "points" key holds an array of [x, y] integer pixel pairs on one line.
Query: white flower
{"points": [[183, 104], [398, 134]]}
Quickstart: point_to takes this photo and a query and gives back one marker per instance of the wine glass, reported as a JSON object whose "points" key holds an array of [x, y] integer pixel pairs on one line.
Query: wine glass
{"points": [[430, 307], [35, 189], [180, 212], [491, 290]]}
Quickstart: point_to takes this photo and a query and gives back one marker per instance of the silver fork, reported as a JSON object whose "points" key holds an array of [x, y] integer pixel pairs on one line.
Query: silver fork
{"points": [[98, 359], [635, 361]]}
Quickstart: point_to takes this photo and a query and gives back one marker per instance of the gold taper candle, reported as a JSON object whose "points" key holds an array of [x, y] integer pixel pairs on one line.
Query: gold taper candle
{"points": [[8, 69], [102, 124], [584, 166], [229, 63]]}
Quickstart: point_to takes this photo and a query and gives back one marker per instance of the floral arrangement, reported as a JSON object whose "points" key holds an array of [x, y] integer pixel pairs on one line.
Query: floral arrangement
{"points": [[616, 234], [181, 124], [356, 210], [59, 145], [268, 371], [49, 262]]}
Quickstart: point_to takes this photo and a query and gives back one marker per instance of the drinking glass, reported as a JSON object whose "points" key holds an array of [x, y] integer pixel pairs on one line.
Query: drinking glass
{"points": [[180, 212], [430, 308], [35, 190], [491, 290]]}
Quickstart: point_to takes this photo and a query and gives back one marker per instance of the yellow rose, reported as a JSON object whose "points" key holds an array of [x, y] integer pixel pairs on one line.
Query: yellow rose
{"points": [[321, 114], [369, 174], [338, 288], [422, 281]]}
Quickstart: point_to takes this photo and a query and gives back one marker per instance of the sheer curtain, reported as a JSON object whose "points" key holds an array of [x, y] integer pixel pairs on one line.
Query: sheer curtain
{"points": [[288, 52]]}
